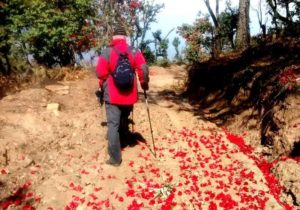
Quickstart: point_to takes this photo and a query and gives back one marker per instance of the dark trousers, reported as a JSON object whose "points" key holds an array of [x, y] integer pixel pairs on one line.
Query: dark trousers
{"points": [[118, 127]]}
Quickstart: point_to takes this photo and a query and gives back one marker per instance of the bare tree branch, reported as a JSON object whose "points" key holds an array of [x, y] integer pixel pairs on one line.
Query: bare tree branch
{"points": [[211, 13], [273, 6]]}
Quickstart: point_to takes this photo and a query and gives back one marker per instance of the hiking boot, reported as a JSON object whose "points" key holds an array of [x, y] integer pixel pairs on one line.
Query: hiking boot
{"points": [[112, 163]]}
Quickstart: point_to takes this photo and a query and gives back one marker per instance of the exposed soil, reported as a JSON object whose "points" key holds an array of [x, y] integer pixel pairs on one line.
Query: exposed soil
{"points": [[255, 94], [53, 157]]}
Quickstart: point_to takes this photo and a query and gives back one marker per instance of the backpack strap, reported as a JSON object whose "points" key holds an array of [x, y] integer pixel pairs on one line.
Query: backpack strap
{"points": [[106, 53], [119, 52]]}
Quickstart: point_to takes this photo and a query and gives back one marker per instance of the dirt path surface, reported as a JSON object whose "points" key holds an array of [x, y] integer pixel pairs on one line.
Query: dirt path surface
{"points": [[53, 158]]}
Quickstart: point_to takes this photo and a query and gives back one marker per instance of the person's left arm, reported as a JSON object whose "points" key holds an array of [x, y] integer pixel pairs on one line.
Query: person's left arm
{"points": [[142, 69]]}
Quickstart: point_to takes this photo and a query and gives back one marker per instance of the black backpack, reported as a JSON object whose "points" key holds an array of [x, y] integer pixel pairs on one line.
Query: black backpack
{"points": [[123, 75]]}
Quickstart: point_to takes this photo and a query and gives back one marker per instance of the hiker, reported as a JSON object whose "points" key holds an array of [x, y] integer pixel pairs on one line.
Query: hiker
{"points": [[120, 95]]}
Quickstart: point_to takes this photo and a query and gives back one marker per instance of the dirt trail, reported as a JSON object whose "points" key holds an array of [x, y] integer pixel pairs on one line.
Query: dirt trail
{"points": [[54, 159]]}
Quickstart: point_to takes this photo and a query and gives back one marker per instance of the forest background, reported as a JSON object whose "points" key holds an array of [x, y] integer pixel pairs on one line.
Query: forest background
{"points": [[61, 32]]}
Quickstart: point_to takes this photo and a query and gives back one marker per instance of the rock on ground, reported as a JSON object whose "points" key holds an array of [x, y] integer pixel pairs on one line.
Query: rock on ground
{"points": [[288, 173]]}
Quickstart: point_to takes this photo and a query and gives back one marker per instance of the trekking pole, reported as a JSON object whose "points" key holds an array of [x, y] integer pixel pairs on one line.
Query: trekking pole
{"points": [[146, 100], [132, 123]]}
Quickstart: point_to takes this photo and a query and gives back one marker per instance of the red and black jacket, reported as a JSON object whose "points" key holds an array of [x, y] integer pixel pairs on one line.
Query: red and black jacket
{"points": [[106, 65]]}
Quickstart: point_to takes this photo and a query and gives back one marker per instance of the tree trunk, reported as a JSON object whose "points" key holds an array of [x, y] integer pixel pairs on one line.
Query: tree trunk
{"points": [[8, 70], [287, 11], [243, 33], [231, 38], [2, 67], [216, 48], [259, 14]]}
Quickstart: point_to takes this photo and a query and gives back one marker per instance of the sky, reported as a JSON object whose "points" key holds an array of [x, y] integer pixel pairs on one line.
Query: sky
{"points": [[177, 12]]}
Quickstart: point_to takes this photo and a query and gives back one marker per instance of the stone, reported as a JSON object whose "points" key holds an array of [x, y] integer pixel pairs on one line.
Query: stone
{"points": [[288, 174], [54, 107]]}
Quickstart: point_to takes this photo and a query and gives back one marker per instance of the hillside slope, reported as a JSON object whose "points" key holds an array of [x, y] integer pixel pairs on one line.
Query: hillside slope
{"points": [[53, 149]]}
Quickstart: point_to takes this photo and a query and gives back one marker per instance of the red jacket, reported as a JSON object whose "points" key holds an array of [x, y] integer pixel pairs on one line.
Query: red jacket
{"points": [[106, 64]]}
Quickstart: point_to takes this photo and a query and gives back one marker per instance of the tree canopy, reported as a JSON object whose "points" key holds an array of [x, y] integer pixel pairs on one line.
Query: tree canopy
{"points": [[52, 32], [217, 32]]}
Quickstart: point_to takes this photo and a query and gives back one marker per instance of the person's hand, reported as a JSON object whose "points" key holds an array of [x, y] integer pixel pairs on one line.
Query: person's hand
{"points": [[99, 94], [145, 86]]}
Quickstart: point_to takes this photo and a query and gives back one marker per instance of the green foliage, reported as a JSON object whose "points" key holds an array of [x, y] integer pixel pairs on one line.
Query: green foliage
{"points": [[192, 53], [141, 18], [201, 34], [161, 44], [157, 39], [198, 37], [46, 29], [176, 43], [4, 37], [287, 22], [149, 55], [163, 62], [228, 26], [163, 48], [136, 16], [52, 32]]}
